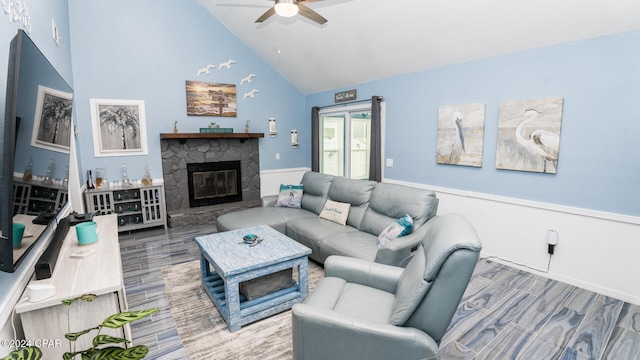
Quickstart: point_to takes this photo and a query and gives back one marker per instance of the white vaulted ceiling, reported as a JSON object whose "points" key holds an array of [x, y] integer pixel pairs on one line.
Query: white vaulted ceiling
{"points": [[366, 40]]}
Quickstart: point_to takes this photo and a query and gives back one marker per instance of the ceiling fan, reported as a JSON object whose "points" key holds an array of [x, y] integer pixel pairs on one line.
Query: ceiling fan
{"points": [[289, 8]]}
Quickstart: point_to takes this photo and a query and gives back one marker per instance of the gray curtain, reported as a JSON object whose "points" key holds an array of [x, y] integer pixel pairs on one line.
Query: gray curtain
{"points": [[375, 163], [315, 139]]}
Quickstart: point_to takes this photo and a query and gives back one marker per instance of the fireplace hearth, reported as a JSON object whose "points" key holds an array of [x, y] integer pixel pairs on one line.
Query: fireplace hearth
{"points": [[213, 183]]}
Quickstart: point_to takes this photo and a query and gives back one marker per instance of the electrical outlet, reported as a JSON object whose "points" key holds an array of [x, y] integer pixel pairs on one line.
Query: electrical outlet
{"points": [[277, 156], [389, 162]]}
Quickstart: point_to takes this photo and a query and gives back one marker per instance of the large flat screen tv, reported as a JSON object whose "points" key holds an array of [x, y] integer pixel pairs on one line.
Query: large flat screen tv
{"points": [[36, 135]]}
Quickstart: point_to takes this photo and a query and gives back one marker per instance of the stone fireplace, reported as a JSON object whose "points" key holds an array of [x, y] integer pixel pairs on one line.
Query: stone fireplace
{"points": [[225, 175]]}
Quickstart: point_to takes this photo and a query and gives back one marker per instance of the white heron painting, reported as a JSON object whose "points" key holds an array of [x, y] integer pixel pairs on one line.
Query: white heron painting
{"points": [[460, 134], [529, 135]]}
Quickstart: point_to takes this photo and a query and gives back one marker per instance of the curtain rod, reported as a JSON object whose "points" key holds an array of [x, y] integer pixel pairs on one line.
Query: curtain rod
{"points": [[346, 103]]}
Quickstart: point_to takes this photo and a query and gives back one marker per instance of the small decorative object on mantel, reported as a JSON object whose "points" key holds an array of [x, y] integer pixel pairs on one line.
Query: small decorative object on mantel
{"points": [[272, 127], [175, 126], [213, 125], [344, 96], [218, 130], [246, 126], [294, 138]]}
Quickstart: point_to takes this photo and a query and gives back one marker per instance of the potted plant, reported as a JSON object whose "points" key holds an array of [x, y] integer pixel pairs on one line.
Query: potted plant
{"points": [[213, 125], [102, 345]]}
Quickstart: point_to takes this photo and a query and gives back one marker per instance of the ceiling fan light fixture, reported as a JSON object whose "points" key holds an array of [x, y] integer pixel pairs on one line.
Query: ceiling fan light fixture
{"points": [[286, 8]]}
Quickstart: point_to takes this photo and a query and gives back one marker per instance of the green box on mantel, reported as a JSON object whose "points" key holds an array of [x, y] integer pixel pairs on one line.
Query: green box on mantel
{"points": [[216, 130]]}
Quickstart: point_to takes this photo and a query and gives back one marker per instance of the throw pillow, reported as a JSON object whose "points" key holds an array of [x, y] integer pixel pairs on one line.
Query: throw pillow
{"points": [[290, 196], [398, 228], [335, 211]]}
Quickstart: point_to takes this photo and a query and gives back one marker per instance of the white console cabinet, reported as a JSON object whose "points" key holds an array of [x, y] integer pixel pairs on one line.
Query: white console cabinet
{"points": [[99, 273], [137, 207]]}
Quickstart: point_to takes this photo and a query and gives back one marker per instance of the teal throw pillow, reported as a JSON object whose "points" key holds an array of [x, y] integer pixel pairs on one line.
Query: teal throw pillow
{"points": [[290, 196], [398, 228]]}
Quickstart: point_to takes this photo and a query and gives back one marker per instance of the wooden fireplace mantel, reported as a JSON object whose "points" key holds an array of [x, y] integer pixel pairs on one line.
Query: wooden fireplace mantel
{"points": [[183, 137]]}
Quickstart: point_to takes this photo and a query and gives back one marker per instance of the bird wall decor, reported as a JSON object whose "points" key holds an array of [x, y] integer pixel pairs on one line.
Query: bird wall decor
{"points": [[250, 94], [539, 142], [206, 69], [452, 144], [529, 135], [226, 64], [247, 79]]}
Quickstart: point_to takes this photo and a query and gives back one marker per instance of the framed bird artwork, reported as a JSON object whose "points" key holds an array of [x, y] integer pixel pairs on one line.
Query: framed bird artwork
{"points": [[460, 134], [529, 135]]}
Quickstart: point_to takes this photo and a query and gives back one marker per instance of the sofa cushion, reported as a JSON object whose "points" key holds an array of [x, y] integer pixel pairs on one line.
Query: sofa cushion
{"points": [[356, 244], [290, 196], [391, 201], [277, 218], [410, 289], [310, 232], [316, 188], [335, 211], [396, 229], [365, 302], [355, 192]]}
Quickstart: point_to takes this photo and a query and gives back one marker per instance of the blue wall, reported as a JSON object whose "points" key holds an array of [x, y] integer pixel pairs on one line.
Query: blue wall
{"points": [[145, 50], [599, 161]]}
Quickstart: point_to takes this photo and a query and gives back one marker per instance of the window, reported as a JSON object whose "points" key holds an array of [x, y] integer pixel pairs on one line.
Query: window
{"points": [[345, 144]]}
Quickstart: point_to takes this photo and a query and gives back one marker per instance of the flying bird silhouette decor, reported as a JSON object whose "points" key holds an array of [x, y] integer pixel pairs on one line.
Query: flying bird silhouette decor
{"points": [[206, 69], [529, 135], [250, 94], [226, 64], [247, 79]]}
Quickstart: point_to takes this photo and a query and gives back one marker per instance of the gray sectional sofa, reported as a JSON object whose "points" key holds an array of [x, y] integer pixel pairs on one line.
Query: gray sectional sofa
{"points": [[373, 207]]}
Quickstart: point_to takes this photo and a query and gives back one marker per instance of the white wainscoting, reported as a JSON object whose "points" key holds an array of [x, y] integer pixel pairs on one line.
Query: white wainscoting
{"points": [[270, 180], [596, 250]]}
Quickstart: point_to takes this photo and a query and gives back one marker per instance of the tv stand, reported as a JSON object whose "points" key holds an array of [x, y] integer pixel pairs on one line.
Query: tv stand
{"points": [[99, 273]]}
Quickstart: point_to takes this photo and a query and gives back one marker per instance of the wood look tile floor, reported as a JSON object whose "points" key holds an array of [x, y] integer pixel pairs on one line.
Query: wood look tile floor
{"points": [[505, 313]]}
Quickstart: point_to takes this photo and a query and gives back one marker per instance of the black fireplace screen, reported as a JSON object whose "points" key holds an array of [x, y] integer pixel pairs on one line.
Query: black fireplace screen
{"points": [[214, 183]]}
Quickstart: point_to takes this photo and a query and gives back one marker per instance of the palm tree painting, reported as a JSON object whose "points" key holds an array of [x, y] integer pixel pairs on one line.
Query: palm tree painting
{"points": [[53, 120], [529, 135], [120, 127], [460, 134]]}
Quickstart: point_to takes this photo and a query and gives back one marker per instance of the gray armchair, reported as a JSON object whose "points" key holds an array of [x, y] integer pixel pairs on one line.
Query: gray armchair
{"points": [[367, 310]]}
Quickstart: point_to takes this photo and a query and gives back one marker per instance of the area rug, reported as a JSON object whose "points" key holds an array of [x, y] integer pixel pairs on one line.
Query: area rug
{"points": [[204, 333]]}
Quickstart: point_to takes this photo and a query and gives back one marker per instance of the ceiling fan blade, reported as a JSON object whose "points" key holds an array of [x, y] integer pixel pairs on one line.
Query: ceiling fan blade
{"points": [[310, 14], [267, 14]]}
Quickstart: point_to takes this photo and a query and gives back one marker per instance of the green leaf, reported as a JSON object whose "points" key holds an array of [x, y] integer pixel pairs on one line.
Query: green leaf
{"points": [[118, 320], [118, 353], [84, 354], [26, 353], [106, 339], [70, 355], [74, 336], [85, 297]]}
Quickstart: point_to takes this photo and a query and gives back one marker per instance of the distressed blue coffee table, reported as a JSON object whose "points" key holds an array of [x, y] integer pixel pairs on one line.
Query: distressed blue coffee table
{"points": [[234, 261]]}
